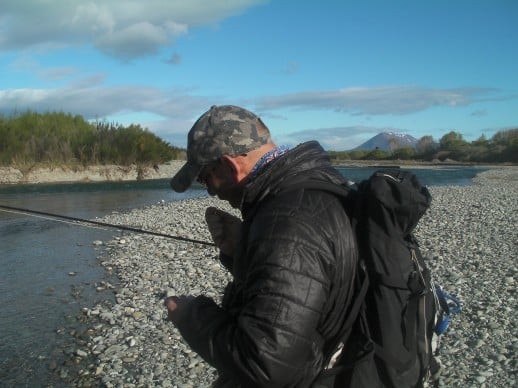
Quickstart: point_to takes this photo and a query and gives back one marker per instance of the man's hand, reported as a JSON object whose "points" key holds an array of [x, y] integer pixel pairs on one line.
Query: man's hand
{"points": [[224, 228], [176, 305]]}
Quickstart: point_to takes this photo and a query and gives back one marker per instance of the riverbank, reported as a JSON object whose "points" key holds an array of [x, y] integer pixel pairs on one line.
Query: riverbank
{"points": [[101, 173], [469, 235]]}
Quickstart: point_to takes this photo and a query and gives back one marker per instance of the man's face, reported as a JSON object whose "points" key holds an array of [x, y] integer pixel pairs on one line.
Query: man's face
{"points": [[219, 180]]}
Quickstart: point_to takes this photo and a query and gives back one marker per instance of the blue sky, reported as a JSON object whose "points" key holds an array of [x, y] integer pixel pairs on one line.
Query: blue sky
{"points": [[335, 71]]}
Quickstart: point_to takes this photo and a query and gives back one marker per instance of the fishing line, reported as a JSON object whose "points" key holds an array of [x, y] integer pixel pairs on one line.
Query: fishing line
{"points": [[75, 220]]}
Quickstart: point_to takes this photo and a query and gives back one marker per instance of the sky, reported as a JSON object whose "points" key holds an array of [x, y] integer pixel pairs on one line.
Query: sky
{"points": [[339, 72]]}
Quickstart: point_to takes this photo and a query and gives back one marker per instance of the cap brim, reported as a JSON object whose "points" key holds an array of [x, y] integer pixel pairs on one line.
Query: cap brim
{"points": [[185, 176]]}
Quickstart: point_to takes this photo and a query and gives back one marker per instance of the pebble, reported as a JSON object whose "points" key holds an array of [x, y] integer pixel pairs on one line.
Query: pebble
{"points": [[81, 353], [469, 236], [480, 379]]}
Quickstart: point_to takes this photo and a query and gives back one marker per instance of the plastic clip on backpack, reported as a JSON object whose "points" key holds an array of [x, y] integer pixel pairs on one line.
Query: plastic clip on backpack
{"points": [[447, 305]]}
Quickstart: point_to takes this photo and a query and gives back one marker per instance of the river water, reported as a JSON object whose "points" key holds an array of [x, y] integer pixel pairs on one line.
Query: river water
{"points": [[49, 269]]}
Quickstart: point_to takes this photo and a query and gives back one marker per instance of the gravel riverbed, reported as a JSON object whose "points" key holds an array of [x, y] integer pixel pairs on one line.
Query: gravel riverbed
{"points": [[469, 235]]}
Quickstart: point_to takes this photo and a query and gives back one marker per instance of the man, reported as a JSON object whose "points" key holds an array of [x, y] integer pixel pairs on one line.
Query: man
{"points": [[293, 256]]}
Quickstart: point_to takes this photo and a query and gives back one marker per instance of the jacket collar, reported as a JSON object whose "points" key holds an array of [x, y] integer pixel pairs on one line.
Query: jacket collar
{"points": [[306, 161]]}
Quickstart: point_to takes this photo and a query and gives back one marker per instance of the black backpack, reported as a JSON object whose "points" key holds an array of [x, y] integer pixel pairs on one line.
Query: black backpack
{"points": [[396, 310]]}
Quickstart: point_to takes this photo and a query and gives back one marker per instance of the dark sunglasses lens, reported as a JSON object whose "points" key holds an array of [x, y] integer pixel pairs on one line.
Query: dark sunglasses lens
{"points": [[205, 171], [200, 180]]}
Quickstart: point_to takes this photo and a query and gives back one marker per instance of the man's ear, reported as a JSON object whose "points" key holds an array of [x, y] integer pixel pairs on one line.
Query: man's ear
{"points": [[236, 165]]}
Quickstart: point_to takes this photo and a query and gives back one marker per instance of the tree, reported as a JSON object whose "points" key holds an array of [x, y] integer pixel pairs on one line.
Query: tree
{"points": [[426, 147], [504, 136], [405, 153], [453, 146], [481, 141], [377, 154], [451, 141], [357, 154], [59, 138]]}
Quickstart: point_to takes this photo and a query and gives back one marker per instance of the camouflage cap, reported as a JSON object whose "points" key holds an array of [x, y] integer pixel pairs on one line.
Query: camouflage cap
{"points": [[222, 130]]}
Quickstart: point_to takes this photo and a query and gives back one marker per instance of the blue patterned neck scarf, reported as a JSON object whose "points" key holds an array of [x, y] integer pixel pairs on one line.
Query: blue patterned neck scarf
{"points": [[267, 158]]}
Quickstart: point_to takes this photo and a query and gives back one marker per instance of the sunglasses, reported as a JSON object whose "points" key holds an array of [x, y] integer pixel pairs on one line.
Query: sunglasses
{"points": [[206, 171]]}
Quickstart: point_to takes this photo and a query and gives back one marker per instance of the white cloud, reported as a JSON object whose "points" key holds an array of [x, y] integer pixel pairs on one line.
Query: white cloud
{"points": [[136, 40], [28, 65], [126, 30], [174, 59], [389, 100], [91, 100]]}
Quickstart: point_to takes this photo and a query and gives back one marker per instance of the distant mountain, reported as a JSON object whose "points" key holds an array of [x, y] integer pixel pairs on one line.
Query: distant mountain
{"points": [[388, 141]]}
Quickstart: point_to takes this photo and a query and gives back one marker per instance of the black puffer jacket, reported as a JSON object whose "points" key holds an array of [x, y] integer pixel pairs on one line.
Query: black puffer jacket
{"points": [[293, 280]]}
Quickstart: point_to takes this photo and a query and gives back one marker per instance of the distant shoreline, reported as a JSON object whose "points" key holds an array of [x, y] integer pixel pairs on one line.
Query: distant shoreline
{"points": [[107, 173], [101, 173]]}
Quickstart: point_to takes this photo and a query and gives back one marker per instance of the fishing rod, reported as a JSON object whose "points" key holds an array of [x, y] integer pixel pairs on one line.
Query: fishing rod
{"points": [[58, 217]]}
